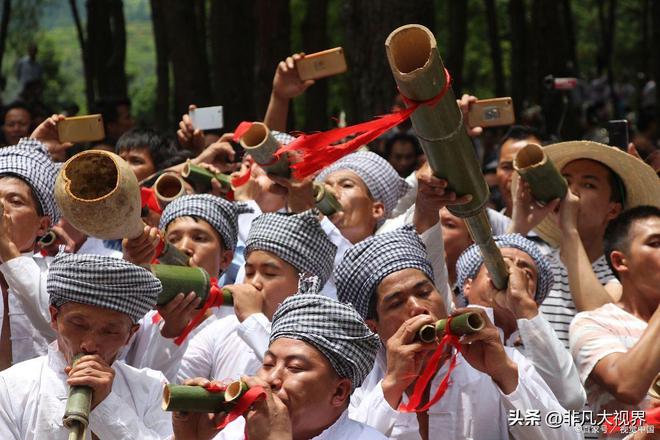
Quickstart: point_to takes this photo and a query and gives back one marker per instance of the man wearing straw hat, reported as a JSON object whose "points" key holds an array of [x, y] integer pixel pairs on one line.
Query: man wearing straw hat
{"points": [[388, 279], [95, 304], [320, 351], [607, 181]]}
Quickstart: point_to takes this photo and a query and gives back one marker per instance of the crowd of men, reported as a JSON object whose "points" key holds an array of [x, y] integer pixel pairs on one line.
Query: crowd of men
{"points": [[327, 309]]}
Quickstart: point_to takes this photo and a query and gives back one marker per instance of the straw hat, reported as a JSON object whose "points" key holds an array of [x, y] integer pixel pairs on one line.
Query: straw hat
{"points": [[640, 181]]}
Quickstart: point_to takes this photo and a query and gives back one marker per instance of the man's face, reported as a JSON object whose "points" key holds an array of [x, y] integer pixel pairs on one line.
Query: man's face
{"points": [[17, 125], [82, 328], [642, 258], [26, 223], [402, 295], [590, 180], [201, 242], [305, 382], [455, 236], [403, 158], [273, 277], [360, 213], [140, 162], [480, 291], [504, 172]]}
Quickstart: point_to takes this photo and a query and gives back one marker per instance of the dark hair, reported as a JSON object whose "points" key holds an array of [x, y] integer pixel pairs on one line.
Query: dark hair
{"points": [[519, 133], [405, 138], [646, 118], [617, 234], [17, 105], [108, 108], [162, 149]]}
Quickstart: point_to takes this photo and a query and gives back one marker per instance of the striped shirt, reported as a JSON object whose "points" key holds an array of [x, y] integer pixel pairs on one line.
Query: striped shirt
{"points": [[558, 307]]}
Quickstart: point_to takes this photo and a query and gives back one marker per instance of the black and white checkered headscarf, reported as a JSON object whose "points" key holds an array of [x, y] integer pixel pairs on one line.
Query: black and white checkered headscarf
{"points": [[384, 183], [297, 239], [221, 214], [30, 162], [282, 137], [470, 261], [333, 328], [102, 281], [366, 264]]}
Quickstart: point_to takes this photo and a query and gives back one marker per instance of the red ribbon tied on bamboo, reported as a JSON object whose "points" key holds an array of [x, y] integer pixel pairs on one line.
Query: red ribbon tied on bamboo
{"points": [[242, 404], [413, 405], [320, 149]]}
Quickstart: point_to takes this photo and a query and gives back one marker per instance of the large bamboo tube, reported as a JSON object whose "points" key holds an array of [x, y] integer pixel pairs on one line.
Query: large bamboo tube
{"points": [[168, 187], [545, 181], [192, 398], [463, 324], [78, 407], [260, 143], [325, 199], [200, 178], [419, 73], [183, 279]]}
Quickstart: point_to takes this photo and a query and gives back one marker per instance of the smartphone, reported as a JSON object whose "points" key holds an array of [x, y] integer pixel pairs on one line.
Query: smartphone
{"points": [[322, 64], [617, 130], [207, 118], [79, 129], [492, 112]]}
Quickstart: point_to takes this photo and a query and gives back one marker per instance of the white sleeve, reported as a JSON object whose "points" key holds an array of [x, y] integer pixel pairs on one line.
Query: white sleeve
{"points": [[8, 428], [532, 393], [552, 361], [409, 197], [198, 359], [255, 332], [28, 282]]}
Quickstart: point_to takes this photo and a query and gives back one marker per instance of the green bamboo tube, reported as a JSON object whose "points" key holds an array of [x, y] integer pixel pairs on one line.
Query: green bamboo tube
{"points": [[544, 179], [168, 187], [172, 255], [191, 398], [463, 324], [419, 73], [183, 279], [325, 199], [260, 143], [48, 238], [200, 178], [78, 406]]}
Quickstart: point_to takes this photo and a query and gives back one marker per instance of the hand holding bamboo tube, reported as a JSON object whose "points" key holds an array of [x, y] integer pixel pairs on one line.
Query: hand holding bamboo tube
{"points": [[545, 181], [177, 279], [194, 398], [200, 178], [78, 407], [463, 324], [258, 141]]}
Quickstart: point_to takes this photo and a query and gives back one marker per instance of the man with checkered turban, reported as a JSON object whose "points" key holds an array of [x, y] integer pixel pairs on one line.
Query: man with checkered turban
{"points": [[390, 282], [95, 304], [320, 351]]}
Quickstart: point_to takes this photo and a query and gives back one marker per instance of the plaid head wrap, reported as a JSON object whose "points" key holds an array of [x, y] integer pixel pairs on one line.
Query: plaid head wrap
{"points": [[221, 214], [333, 328], [282, 137], [384, 183], [366, 264], [297, 239], [30, 162], [470, 261], [104, 282]]}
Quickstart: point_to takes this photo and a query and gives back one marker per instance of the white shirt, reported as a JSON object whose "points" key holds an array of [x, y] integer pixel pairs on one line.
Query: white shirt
{"points": [[472, 408], [29, 318], [33, 398], [219, 353], [343, 429]]}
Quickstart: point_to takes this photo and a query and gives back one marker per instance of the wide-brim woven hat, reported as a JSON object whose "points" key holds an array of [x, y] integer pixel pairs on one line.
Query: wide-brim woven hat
{"points": [[641, 183]]}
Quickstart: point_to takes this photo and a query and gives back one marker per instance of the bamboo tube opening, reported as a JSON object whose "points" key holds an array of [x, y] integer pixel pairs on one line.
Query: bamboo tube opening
{"points": [[168, 187], [255, 136], [166, 398], [475, 322], [234, 390], [186, 169], [529, 156], [91, 176], [427, 333], [410, 49]]}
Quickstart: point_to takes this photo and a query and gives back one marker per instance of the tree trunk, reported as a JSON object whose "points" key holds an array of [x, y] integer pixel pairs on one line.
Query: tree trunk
{"points": [[106, 41], [4, 25], [188, 58], [273, 21], [371, 88], [519, 60], [84, 52], [495, 49], [571, 43], [232, 59], [656, 60], [606, 21], [162, 109], [457, 13], [315, 38]]}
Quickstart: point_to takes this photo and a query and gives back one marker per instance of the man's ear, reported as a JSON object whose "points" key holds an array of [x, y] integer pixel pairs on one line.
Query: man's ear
{"points": [[372, 324], [467, 289], [614, 211], [53, 316], [378, 211], [619, 262], [225, 260], [44, 224], [342, 393]]}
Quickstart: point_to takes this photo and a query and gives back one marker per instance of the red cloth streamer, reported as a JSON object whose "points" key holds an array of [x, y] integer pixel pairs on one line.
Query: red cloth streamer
{"points": [[318, 150], [242, 128], [427, 375], [149, 200], [241, 180], [214, 299], [243, 405]]}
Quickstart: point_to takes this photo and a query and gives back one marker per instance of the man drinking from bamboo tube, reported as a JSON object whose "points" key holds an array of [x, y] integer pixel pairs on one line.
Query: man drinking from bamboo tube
{"points": [[320, 351], [606, 180], [515, 312], [95, 304], [279, 249], [388, 279]]}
